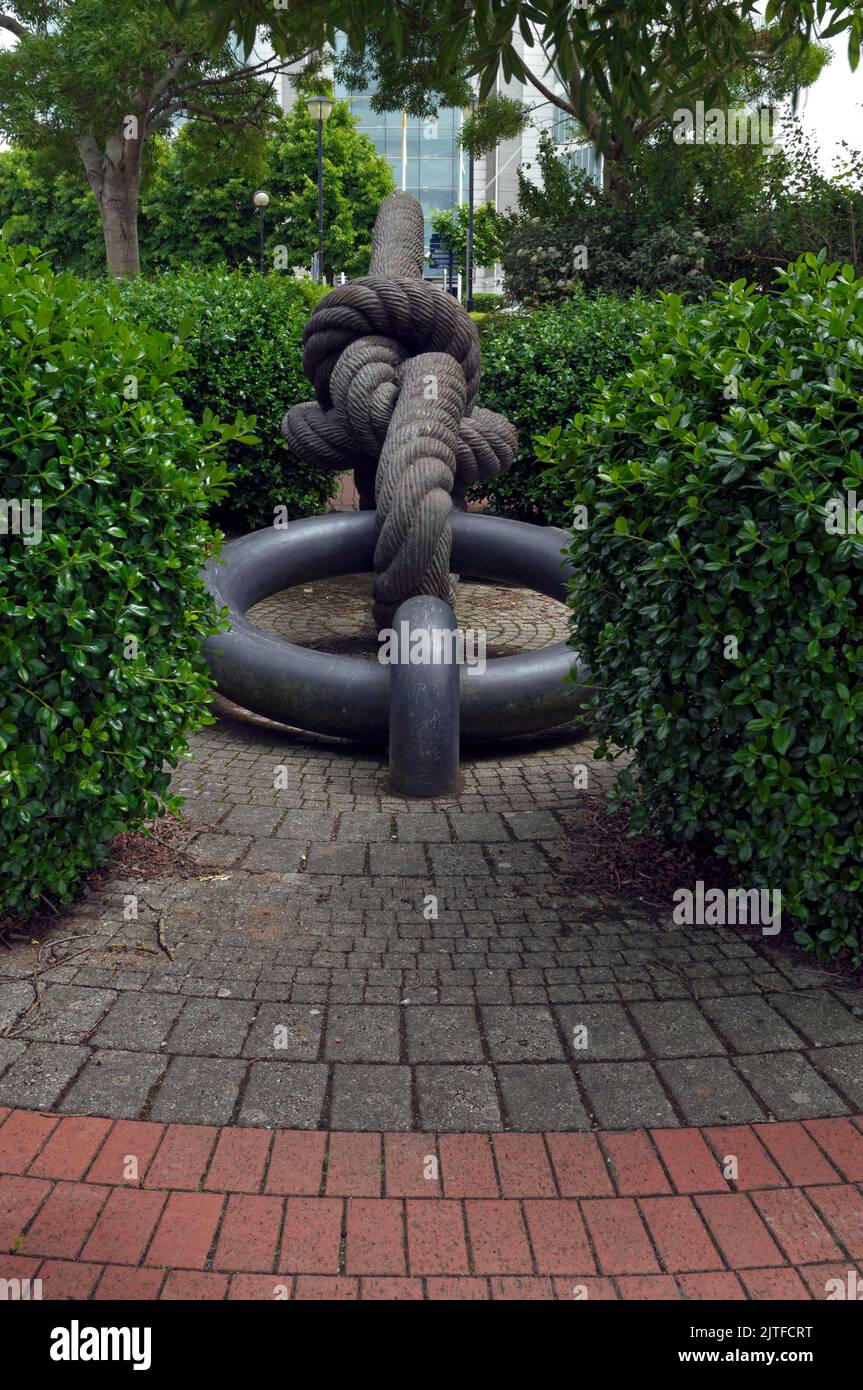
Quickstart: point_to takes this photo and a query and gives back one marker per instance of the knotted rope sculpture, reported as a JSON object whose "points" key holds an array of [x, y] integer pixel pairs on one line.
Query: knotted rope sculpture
{"points": [[395, 364]]}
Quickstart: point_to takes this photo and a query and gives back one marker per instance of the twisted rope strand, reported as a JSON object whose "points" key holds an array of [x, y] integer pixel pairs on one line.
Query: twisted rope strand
{"points": [[395, 366]]}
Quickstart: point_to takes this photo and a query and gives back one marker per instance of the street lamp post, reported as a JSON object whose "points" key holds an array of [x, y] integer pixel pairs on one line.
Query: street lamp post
{"points": [[468, 266], [319, 109], [260, 201]]}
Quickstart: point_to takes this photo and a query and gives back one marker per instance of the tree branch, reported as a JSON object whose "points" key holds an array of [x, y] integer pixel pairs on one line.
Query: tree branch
{"points": [[554, 97], [182, 60], [91, 157], [8, 21], [266, 68], [165, 114], [233, 121]]}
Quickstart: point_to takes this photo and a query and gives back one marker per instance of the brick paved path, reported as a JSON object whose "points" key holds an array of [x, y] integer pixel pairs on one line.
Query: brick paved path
{"points": [[101, 1209], [358, 962]]}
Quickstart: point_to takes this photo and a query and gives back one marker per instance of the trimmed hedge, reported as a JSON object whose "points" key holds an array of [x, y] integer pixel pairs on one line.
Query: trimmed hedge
{"points": [[717, 590], [242, 335], [489, 303], [104, 611], [538, 370]]}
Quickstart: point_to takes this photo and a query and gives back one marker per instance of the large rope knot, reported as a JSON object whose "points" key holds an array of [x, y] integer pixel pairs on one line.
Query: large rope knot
{"points": [[395, 363]]}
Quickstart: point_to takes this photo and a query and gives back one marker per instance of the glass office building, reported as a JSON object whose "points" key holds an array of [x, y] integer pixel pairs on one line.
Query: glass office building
{"points": [[430, 165], [432, 170]]}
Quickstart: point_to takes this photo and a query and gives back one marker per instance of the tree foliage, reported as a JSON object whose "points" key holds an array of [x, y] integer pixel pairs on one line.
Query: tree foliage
{"points": [[698, 215], [488, 234], [87, 85], [356, 178], [197, 210], [612, 64]]}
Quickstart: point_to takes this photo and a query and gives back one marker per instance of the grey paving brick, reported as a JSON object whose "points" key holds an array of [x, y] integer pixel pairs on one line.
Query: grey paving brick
{"points": [[364, 827], [843, 1067], [205, 808], [307, 824], [454, 1098], [222, 851], [521, 1033], [478, 826], [626, 1095], [422, 828], [215, 1027], [609, 1034], [529, 994], [533, 825], [676, 1028], [456, 994], [15, 997], [371, 1097], [821, 1019], [284, 1095], [281, 856], [709, 1092], [10, 1051], [114, 1083], [750, 1023], [789, 1087], [436, 1034], [392, 860], [285, 1033], [460, 860], [337, 859], [37, 1078], [251, 820], [139, 1022], [542, 1096], [199, 1091], [517, 859], [363, 1033], [66, 1013]]}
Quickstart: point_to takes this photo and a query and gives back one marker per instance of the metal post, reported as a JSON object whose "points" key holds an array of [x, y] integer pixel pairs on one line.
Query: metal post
{"points": [[320, 200], [424, 701], [261, 240], [469, 254]]}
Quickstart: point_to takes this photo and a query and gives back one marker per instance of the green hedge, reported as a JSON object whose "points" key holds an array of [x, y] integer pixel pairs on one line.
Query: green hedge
{"points": [[488, 303], [714, 599], [538, 369], [104, 611], [242, 336]]}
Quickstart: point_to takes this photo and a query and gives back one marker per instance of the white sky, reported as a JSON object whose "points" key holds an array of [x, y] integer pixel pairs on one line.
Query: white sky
{"points": [[831, 111]]}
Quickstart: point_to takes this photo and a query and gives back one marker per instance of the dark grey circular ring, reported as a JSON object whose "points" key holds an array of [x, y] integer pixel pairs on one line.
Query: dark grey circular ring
{"points": [[348, 698]]}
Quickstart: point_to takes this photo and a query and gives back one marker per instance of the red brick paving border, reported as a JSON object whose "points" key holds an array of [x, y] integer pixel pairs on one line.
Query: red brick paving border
{"points": [[107, 1209]]}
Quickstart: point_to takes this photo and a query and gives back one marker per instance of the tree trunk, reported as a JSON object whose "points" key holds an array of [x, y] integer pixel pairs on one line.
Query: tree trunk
{"points": [[614, 179], [115, 178], [119, 209]]}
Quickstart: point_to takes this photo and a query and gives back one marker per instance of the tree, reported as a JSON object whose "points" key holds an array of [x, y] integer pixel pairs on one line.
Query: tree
{"points": [[355, 181], [698, 215], [196, 209], [90, 84], [606, 59], [488, 233], [617, 68], [55, 211]]}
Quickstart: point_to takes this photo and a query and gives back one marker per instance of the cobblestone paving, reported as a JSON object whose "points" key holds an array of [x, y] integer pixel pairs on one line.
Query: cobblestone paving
{"points": [[355, 961]]}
